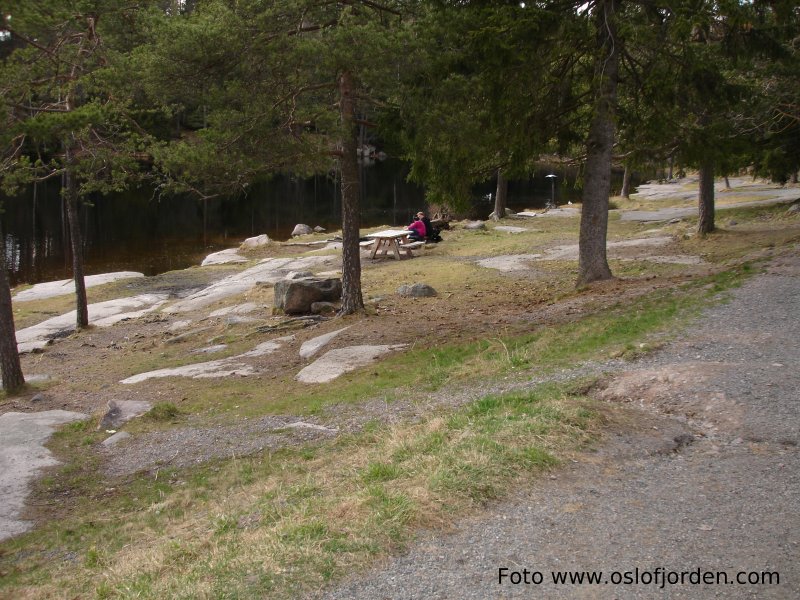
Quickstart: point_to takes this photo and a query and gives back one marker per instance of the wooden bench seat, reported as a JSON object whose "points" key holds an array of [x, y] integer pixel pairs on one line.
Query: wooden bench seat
{"points": [[407, 248]]}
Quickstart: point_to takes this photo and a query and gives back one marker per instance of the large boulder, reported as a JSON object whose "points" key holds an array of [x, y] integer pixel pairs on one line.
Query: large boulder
{"points": [[295, 296], [255, 242], [301, 229]]}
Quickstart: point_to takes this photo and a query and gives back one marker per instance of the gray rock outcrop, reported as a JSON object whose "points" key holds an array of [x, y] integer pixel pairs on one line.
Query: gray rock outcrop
{"points": [[417, 290], [255, 242], [301, 229], [122, 411], [314, 345], [223, 257], [22, 454], [295, 296], [337, 362]]}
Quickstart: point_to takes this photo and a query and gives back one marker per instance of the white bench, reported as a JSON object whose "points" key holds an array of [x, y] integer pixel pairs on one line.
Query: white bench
{"points": [[407, 248]]}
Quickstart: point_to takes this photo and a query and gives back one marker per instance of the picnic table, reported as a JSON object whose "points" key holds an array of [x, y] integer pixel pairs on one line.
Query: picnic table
{"points": [[390, 239]]}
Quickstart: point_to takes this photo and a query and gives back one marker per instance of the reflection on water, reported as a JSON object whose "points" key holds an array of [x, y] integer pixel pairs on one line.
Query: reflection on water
{"points": [[137, 231]]}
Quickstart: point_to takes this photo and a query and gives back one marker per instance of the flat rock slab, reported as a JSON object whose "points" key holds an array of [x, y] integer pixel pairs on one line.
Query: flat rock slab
{"points": [[51, 289], [521, 262], [312, 346], [22, 453], [223, 257], [570, 251], [770, 196], [211, 369], [121, 411], [239, 309], [224, 367], [553, 212], [101, 314], [335, 363], [509, 262], [268, 271], [511, 229]]}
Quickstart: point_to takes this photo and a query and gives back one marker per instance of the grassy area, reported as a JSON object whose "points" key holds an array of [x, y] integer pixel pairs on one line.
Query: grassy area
{"points": [[287, 522], [282, 523], [276, 525]]}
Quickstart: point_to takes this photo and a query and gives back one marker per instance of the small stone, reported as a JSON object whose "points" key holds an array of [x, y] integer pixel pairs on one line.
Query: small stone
{"points": [[39, 398], [319, 229], [417, 290]]}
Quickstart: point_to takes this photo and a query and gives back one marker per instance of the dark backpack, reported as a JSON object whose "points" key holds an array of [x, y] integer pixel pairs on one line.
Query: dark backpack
{"points": [[431, 233]]}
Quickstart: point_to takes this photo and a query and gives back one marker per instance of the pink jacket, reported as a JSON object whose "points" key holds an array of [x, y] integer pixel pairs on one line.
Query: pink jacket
{"points": [[419, 227]]}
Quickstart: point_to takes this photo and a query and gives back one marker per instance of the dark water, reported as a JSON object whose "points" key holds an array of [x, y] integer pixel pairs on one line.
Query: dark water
{"points": [[138, 231]]}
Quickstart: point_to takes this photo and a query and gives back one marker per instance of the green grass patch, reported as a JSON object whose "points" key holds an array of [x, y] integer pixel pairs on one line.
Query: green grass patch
{"points": [[163, 411], [623, 329], [287, 523]]}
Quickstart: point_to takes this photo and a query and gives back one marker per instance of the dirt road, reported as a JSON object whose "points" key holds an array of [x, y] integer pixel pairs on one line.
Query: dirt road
{"points": [[695, 494]]}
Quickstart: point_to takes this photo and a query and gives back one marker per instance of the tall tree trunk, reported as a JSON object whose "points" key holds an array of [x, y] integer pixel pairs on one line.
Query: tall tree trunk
{"points": [[500, 196], [10, 367], [671, 167], [626, 182], [76, 243], [706, 223], [352, 300], [592, 260], [727, 183]]}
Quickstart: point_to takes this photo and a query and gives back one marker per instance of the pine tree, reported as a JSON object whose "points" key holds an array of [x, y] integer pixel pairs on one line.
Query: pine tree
{"points": [[67, 105]]}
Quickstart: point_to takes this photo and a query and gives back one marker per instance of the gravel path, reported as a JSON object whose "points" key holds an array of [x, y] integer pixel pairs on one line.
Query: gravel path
{"points": [[704, 475]]}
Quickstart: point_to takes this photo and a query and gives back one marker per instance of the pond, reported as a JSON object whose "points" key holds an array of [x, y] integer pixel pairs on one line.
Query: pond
{"points": [[138, 231]]}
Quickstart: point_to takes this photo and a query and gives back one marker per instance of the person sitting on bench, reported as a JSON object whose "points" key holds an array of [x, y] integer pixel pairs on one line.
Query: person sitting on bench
{"points": [[416, 230]]}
